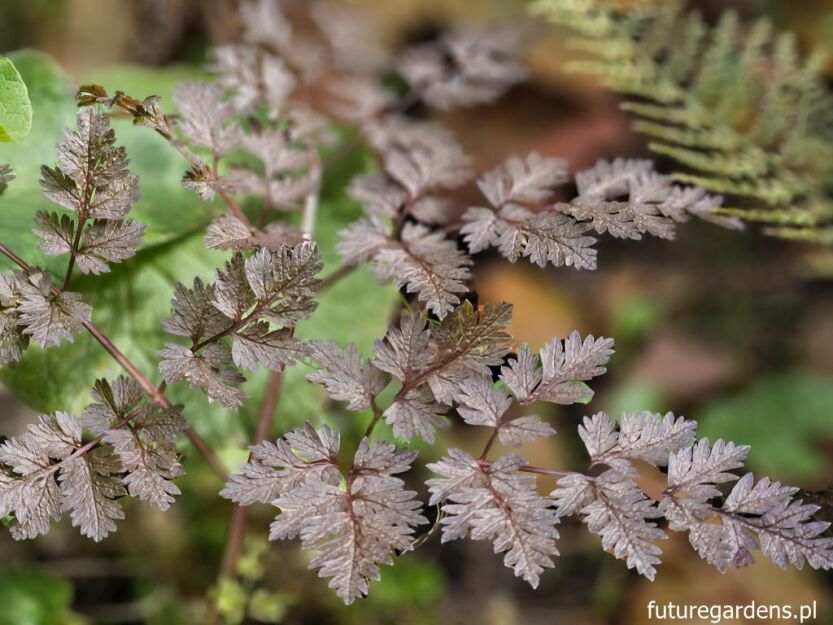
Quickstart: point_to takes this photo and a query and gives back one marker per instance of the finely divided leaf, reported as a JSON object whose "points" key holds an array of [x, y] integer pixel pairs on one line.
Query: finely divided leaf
{"points": [[760, 515], [428, 264], [619, 513], [56, 232], [227, 232], [543, 237], [257, 346], [345, 375], [209, 370], [530, 180], [598, 433], [482, 403], [415, 413], [362, 240], [522, 374], [204, 117], [565, 365], [642, 436], [354, 526], [626, 198], [696, 470], [91, 178], [469, 341], [48, 318], [275, 468], [106, 242], [419, 171], [378, 195], [404, 351], [501, 504], [464, 68], [458, 470], [232, 294], [284, 282], [90, 489], [193, 313]]}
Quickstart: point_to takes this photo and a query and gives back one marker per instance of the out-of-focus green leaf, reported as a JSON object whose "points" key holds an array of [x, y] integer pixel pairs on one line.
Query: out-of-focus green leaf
{"points": [[250, 566], [53, 107], [30, 597], [633, 396], [410, 590], [229, 598], [634, 317], [785, 418], [15, 108], [267, 607]]}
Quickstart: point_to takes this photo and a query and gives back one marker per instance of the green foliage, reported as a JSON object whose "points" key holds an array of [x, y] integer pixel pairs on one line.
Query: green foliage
{"points": [[230, 600], [634, 317], [267, 607], [737, 109], [413, 583], [635, 396], [786, 418], [235, 599], [173, 251], [30, 597], [15, 108]]}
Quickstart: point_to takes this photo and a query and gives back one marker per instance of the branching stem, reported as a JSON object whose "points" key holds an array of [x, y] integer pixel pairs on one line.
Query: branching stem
{"points": [[336, 276], [240, 514], [377, 414], [232, 206], [153, 393], [76, 244], [487, 448], [532, 469]]}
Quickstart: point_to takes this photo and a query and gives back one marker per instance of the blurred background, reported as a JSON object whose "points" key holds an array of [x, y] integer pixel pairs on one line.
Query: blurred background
{"points": [[730, 329]]}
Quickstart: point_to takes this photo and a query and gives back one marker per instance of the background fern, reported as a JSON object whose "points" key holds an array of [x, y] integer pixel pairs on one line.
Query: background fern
{"points": [[735, 106]]}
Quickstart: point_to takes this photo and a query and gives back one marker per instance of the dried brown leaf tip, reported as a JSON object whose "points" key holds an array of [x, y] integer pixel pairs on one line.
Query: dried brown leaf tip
{"points": [[144, 112], [87, 95]]}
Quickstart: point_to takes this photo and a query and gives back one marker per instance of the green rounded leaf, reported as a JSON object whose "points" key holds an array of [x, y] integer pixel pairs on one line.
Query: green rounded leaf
{"points": [[15, 108]]}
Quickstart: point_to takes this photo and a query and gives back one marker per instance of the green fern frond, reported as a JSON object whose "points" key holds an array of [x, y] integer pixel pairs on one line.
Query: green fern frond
{"points": [[734, 106], [788, 218], [823, 236]]}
